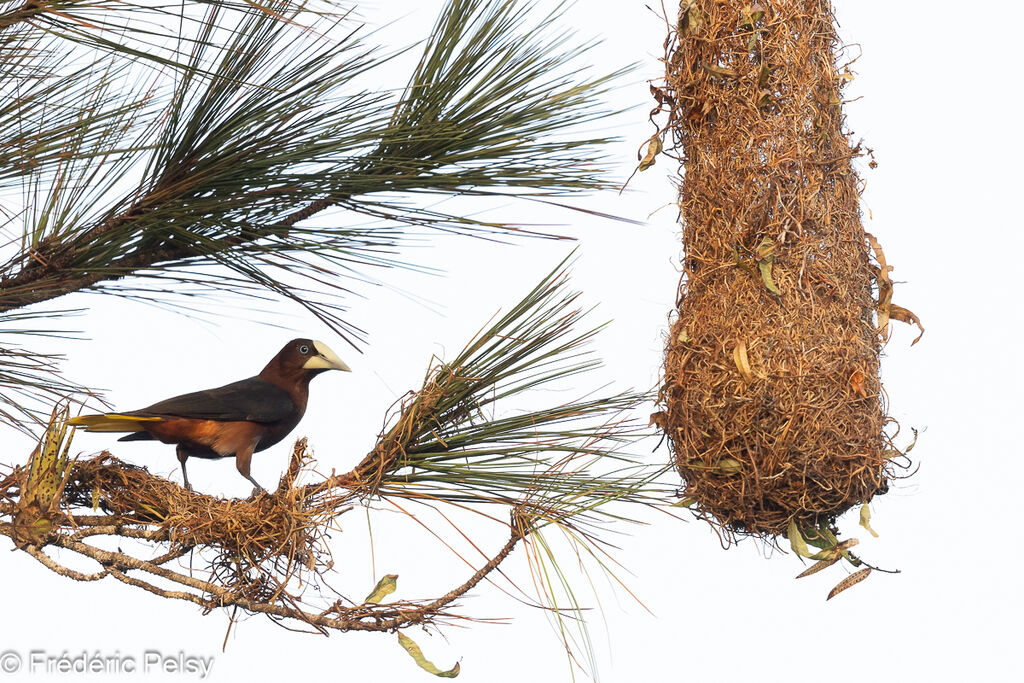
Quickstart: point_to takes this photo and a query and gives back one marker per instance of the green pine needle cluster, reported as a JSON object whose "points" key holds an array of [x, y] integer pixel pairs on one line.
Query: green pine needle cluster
{"points": [[459, 438], [164, 151]]}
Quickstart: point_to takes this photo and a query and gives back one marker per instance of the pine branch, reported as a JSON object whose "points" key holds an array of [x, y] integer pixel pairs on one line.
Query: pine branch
{"points": [[28, 10], [441, 444], [448, 444], [143, 33], [260, 126]]}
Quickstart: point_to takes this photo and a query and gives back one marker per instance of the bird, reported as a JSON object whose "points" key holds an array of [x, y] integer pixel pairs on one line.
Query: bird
{"points": [[235, 420]]}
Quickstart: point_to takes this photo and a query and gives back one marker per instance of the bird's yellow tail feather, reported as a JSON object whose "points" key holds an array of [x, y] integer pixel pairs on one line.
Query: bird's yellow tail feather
{"points": [[112, 422]]}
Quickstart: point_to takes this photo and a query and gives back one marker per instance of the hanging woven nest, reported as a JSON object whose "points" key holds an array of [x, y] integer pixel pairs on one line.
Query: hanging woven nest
{"points": [[772, 400]]}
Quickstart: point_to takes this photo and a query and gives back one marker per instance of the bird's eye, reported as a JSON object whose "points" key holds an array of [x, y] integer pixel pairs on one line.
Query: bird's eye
{"points": [[304, 349]]}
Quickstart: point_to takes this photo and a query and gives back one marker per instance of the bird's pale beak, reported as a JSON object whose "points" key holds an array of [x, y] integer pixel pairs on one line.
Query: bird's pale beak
{"points": [[325, 359]]}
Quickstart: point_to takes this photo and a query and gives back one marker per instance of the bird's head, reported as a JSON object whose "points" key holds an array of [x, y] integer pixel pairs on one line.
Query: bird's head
{"points": [[305, 357]]}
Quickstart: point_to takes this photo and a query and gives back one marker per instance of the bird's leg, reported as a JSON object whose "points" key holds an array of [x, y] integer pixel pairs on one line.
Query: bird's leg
{"points": [[182, 457], [243, 458]]}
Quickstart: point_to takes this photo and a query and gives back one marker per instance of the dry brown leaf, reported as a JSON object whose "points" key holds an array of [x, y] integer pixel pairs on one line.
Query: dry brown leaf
{"points": [[690, 17], [857, 382], [906, 316], [887, 310], [851, 580], [654, 148], [818, 566], [884, 285], [720, 71]]}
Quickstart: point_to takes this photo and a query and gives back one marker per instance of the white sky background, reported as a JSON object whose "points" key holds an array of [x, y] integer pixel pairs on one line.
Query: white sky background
{"points": [[940, 109]]}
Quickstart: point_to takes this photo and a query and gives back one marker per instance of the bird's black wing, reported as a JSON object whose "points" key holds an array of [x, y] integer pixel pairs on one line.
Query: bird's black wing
{"points": [[252, 399]]}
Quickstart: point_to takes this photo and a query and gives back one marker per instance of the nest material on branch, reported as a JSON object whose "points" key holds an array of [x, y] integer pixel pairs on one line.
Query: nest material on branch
{"points": [[262, 548], [553, 468], [259, 544], [772, 399]]}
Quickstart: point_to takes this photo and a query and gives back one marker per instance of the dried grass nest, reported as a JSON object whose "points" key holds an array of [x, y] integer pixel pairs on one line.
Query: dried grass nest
{"points": [[771, 396], [284, 530]]}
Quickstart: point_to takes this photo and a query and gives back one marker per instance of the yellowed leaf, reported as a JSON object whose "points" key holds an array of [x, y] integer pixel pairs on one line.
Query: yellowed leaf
{"points": [[751, 15], [694, 19], [414, 651], [741, 264], [739, 356], [720, 71], [690, 17], [385, 587], [49, 465], [865, 519], [796, 540], [654, 148], [826, 554], [766, 256], [729, 465]]}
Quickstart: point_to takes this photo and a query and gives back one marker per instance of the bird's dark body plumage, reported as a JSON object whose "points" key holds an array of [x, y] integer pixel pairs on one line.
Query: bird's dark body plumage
{"points": [[236, 419], [253, 399]]}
